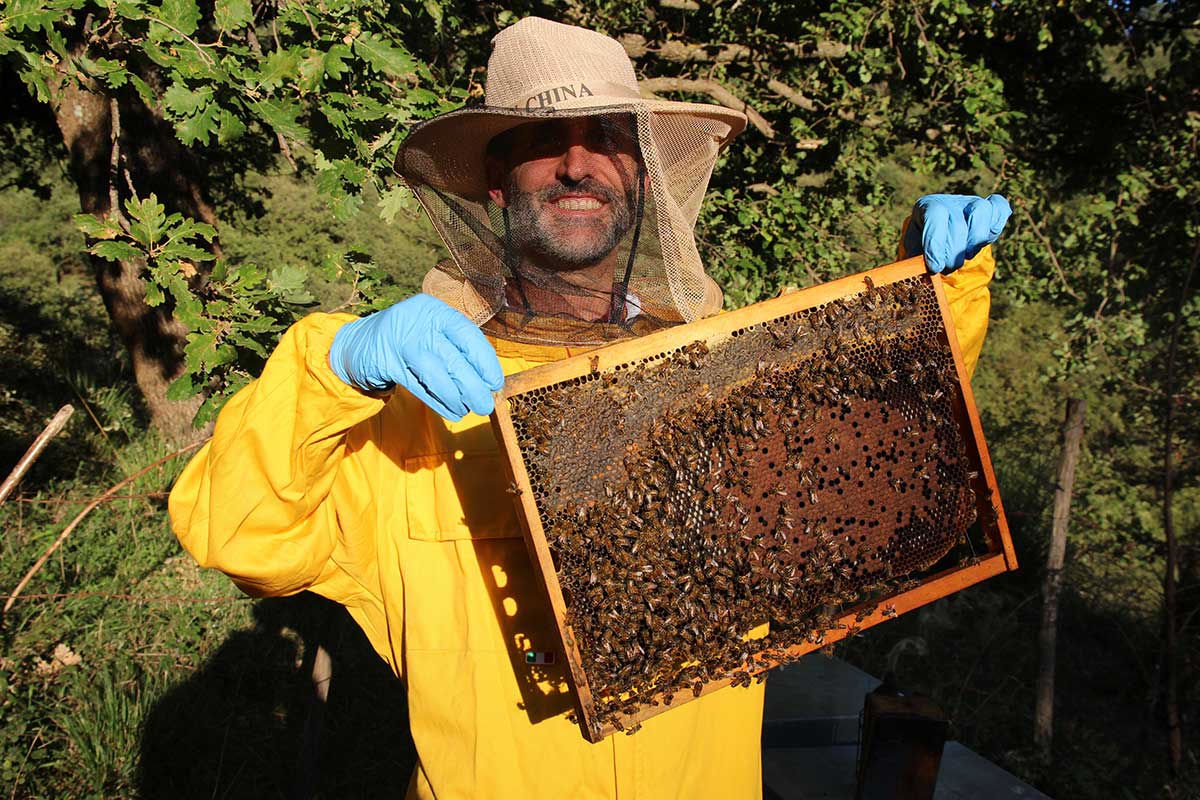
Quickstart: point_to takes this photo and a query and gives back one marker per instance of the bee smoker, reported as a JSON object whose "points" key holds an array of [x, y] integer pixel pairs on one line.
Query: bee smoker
{"points": [[901, 736]]}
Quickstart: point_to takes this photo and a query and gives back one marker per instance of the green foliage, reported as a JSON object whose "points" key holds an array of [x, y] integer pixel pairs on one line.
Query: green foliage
{"points": [[337, 77], [291, 225], [55, 342], [335, 82], [235, 312]]}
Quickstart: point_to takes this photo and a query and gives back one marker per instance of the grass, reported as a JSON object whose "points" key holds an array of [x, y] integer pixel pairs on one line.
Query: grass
{"points": [[127, 671]]}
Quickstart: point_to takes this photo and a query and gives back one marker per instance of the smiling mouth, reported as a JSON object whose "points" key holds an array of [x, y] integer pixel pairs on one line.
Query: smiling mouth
{"points": [[577, 204]]}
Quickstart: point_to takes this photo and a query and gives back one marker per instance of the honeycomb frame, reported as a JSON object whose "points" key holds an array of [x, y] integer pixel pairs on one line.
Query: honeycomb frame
{"points": [[703, 355]]}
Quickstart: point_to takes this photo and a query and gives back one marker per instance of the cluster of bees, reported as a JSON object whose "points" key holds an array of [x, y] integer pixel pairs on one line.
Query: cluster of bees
{"points": [[711, 507]]}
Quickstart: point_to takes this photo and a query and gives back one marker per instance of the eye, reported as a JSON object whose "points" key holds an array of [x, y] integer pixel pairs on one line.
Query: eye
{"points": [[547, 139], [601, 139], [609, 136]]}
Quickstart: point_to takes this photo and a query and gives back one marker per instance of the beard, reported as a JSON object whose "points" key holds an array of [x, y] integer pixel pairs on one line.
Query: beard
{"points": [[568, 245]]}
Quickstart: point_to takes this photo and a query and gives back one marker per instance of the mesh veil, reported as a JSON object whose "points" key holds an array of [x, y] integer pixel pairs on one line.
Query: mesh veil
{"points": [[641, 271]]}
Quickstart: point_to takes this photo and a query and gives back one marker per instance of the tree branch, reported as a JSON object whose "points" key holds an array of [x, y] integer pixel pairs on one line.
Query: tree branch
{"points": [[56, 424], [1170, 579], [311, 27], [199, 47], [689, 52], [256, 47], [1045, 240], [714, 90], [791, 95], [114, 164]]}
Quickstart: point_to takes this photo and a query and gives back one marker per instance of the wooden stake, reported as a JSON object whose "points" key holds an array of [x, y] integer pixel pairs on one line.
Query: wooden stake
{"points": [[1052, 583], [52, 429]]}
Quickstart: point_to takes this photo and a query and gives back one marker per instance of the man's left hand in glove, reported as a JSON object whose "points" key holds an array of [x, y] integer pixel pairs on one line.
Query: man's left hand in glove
{"points": [[948, 229]]}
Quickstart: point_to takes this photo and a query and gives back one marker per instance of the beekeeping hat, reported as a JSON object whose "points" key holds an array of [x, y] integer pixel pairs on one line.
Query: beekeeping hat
{"points": [[542, 71]]}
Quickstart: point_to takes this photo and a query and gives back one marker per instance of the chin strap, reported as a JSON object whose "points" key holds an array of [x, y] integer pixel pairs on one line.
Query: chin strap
{"points": [[510, 261], [616, 311]]}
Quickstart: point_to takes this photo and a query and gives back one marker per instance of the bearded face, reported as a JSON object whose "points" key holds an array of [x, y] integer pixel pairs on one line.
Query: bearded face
{"points": [[569, 188], [569, 226]]}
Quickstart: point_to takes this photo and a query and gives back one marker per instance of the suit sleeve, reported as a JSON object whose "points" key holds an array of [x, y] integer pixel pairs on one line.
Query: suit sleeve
{"points": [[969, 299], [257, 502]]}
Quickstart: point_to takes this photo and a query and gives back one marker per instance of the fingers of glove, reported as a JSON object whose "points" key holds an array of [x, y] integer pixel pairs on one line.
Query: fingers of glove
{"points": [[418, 391], [473, 389], [474, 346], [441, 393], [936, 236], [978, 215], [1001, 211]]}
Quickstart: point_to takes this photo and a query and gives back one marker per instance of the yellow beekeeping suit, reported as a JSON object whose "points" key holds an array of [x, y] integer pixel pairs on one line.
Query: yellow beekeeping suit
{"points": [[402, 517]]}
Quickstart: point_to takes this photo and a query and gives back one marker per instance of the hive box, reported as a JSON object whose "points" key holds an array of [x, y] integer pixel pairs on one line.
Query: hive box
{"points": [[709, 501]]}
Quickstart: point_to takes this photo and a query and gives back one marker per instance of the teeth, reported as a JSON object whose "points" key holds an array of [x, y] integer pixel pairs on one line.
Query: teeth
{"points": [[578, 204]]}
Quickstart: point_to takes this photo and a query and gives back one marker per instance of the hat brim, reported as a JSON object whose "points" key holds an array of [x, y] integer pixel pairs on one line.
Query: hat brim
{"points": [[447, 152]]}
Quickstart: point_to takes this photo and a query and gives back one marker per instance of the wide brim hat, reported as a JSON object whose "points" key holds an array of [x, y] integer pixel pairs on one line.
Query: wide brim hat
{"points": [[539, 69]]}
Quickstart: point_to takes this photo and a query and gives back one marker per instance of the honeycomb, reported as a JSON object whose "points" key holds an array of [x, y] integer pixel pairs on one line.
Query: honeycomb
{"points": [[781, 474]]}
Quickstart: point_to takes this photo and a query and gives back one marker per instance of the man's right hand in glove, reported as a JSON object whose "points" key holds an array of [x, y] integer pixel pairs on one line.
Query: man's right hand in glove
{"points": [[427, 347]]}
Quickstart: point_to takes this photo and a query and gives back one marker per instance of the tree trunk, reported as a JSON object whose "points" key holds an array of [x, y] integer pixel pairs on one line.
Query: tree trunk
{"points": [[1170, 578], [154, 162], [1052, 583]]}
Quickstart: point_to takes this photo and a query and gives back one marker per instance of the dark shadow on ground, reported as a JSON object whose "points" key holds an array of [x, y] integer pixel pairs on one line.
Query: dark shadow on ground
{"points": [[235, 728]]}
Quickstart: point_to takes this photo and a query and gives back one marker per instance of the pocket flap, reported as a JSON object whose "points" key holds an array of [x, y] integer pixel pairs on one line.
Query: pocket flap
{"points": [[459, 496]]}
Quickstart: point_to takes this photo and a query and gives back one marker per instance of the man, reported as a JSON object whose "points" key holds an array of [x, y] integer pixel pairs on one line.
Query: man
{"points": [[360, 465]]}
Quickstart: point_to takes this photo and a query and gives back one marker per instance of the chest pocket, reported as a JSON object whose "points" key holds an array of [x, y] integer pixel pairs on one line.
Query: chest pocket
{"points": [[459, 495]]}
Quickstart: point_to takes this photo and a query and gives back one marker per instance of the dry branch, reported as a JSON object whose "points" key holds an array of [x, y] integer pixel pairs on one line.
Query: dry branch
{"points": [[62, 537], [52, 429], [133, 598], [114, 165], [809, 144], [714, 90], [791, 95], [690, 52]]}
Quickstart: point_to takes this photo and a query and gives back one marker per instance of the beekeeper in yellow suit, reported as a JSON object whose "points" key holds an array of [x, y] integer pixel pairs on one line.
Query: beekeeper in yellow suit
{"points": [[361, 465]]}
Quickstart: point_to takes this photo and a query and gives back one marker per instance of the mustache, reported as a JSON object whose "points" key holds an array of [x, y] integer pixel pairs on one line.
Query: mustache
{"points": [[586, 186]]}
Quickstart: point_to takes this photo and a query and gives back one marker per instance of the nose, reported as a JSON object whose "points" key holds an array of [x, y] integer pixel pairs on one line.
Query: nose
{"points": [[578, 150], [575, 164]]}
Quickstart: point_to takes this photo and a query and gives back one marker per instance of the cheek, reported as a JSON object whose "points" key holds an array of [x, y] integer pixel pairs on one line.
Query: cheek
{"points": [[532, 176], [623, 172]]}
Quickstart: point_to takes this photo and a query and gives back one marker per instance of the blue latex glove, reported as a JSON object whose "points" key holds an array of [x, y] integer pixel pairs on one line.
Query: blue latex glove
{"points": [[427, 347], [950, 228]]}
